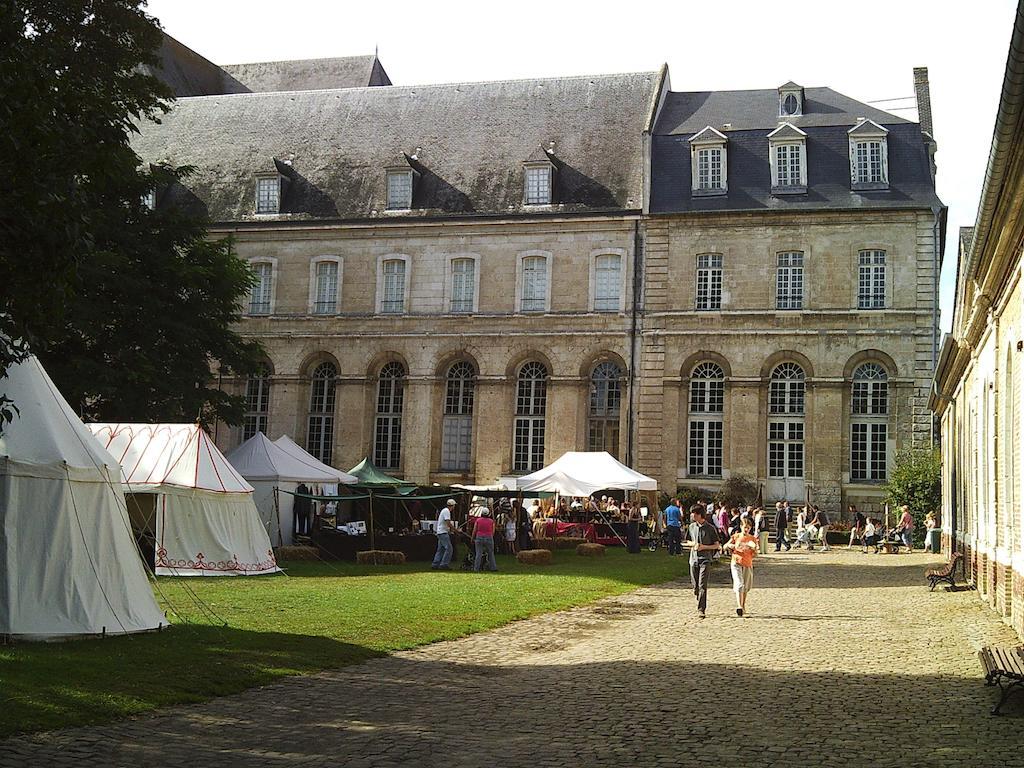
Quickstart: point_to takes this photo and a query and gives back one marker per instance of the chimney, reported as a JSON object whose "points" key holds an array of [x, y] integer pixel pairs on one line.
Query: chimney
{"points": [[924, 114], [924, 100]]}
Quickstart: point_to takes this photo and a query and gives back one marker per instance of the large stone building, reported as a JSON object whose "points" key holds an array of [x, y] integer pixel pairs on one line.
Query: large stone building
{"points": [[464, 281], [978, 392]]}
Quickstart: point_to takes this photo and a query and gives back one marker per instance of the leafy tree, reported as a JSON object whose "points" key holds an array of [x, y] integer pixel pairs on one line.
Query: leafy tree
{"points": [[916, 481], [127, 307], [737, 491]]}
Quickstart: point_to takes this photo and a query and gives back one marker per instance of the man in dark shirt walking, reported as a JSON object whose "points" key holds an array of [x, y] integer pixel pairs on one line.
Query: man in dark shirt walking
{"points": [[781, 526], [705, 544]]}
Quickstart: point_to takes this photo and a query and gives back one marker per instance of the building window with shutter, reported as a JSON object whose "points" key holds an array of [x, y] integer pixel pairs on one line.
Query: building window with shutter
{"points": [[387, 436], [607, 282], [463, 285], [262, 292], [457, 424], [531, 411], [789, 280], [706, 432], [709, 281], [871, 279], [320, 423], [605, 408]]}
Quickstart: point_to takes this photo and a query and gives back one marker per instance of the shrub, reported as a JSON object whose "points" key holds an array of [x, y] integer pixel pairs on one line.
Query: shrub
{"points": [[380, 557], [687, 495], [916, 481], [534, 556], [590, 550], [737, 491]]}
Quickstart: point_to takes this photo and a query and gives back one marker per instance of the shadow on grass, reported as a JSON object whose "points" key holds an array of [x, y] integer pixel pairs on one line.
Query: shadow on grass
{"points": [[415, 712], [47, 685]]}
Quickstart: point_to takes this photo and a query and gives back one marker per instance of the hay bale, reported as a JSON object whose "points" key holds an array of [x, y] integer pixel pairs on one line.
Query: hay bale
{"points": [[535, 556], [380, 557], [296, 553], [561, 542], [590, 550]]}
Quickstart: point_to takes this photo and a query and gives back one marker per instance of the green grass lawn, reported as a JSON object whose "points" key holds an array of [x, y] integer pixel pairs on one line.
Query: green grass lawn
{"points": [[319, 616]]}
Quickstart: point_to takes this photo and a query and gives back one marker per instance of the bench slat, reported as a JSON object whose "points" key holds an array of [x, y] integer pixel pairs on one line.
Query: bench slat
{"points": [[1009, 662]]}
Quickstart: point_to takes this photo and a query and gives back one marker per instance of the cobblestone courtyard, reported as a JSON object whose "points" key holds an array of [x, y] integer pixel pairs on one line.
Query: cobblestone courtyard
{"points": [[845, 660]]}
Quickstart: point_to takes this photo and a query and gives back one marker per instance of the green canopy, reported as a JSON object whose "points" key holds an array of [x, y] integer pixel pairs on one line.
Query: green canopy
{"points": [[368, 476]]}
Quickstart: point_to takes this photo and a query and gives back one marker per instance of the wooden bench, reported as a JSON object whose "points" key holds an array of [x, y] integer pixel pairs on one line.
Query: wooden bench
{"points": [[1003, 667], [946, 573]]}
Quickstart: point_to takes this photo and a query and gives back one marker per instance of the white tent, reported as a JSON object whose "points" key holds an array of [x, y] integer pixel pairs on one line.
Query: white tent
{"points": [[583, 473], [267, 466], [68, 564], [184, 493]]}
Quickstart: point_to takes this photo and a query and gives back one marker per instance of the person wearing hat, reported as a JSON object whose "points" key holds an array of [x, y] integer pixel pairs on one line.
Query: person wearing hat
{"points": [[443, 529], [483, 536]]}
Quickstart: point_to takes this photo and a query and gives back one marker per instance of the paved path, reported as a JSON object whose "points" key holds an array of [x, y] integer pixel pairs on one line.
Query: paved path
{"points": [[845, 660]]}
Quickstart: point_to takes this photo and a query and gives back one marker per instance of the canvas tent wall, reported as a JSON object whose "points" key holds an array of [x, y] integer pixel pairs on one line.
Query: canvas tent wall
{"points": [[269, 468], [204, 519], [68, 565], [584, 473]]}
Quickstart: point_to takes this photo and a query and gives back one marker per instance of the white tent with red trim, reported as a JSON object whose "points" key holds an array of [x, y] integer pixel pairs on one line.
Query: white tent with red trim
{"points": [[68, 564], [187, 499]]}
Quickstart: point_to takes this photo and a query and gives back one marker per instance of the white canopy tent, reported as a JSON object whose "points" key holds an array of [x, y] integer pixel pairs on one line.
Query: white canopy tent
{"points": [[183, 491], [584, 473], [68, 564], [268, 467]]}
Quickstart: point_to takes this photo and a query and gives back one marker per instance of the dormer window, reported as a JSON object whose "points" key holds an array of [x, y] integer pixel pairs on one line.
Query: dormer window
{"points": [[538, 184], [268, 194], [787, 156], [709, 162], [149, 200], [869, 156], [791, 100], [400, 190]]}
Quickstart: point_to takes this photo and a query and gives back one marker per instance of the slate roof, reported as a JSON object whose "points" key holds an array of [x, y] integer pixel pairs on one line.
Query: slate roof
{"points": [[470, 140], [753, 115], [309, 74], [189, 74]]}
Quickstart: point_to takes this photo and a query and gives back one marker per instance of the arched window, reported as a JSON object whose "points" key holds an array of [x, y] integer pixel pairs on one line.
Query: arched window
{"points": [[786, 427], [869, 428], [387, 436], [257, 403], [531, 408], [605, 407], [707, 398], [457, 430], [320, 428]]}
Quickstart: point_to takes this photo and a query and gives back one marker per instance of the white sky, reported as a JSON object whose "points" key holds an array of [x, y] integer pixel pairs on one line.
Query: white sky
{"points": [[866, 51]]}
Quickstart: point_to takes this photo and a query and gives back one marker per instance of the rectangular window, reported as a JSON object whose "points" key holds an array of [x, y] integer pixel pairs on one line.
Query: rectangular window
{"points": [[400, 191], [268, 195], [326, 302], [871, 280], [529, 444], [260, 295], [705, 448], [789, 281], [607, 282], [387, 442], [455, 443], [394, 287], [868, 452], [785, 449], [709, 168], [868, 158], [709, 281], [535, 284], [463, 284], [538, 186], [257, 406], [787, 165], [149, 199]]}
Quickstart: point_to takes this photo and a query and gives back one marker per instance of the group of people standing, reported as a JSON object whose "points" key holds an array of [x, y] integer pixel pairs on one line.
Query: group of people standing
{"points": [[488, 532]]}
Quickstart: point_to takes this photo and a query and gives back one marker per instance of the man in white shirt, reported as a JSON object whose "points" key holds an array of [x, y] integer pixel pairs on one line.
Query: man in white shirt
{"points": [[443, 529]]}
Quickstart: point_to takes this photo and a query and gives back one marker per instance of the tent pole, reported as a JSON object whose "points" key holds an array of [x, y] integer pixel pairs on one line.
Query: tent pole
{"points": [[371, 525], [277, 515]]}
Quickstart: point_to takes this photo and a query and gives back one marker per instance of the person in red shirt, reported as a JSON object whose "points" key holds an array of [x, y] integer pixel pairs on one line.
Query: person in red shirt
{"points": [[483, 538], [743, 546]]}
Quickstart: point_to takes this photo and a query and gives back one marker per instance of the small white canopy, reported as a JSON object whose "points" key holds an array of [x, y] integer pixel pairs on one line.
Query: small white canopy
{"points": [[584, 473], [293, 449], [260, 459], [201, 511], [68, 564]]}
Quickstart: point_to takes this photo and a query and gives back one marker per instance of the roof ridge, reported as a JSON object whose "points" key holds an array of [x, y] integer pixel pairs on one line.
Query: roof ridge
{"points": [[391, 89], [300, 61]]}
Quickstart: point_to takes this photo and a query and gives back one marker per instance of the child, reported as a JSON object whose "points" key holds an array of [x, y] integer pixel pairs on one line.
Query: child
{"points": [[743, 547], [870, 536]]}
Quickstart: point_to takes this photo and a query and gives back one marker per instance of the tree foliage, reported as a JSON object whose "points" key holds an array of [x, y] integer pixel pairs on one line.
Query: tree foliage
{"points": [[916, 481], [127, 307], [737, 491]]}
